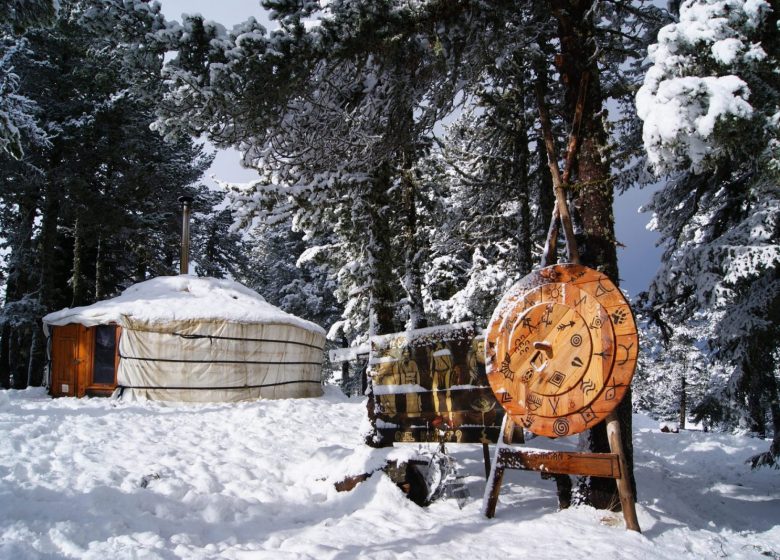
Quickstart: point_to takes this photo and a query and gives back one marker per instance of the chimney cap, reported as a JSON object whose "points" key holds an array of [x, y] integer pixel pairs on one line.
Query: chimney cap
{"points": [[186, 199]]}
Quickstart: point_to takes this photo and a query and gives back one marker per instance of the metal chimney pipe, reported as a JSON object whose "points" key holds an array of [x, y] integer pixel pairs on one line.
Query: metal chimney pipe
{"points": [[186, 205]]}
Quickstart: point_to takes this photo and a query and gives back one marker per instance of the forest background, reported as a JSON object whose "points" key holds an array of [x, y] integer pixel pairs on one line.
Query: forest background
{"points": [[367, 215]]}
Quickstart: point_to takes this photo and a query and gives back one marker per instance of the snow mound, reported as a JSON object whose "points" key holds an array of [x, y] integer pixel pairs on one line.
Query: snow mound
{"points": [[181, 298]]}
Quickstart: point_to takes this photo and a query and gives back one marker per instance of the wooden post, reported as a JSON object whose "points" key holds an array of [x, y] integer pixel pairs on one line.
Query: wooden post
{"points": [[624, 482], [496, 475], [560, 209], [486, 458], [560, 196]]}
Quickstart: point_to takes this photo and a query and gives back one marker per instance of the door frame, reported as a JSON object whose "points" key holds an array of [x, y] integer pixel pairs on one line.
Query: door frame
{"points": [[80, 382]]}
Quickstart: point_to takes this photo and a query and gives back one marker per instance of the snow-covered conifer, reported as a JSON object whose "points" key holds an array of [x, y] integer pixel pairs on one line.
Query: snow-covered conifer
{"points": [[711, 102]]}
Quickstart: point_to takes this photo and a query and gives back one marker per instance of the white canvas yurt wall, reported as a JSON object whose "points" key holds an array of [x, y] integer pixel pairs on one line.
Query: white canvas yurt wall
{"points": [[189, 339]]}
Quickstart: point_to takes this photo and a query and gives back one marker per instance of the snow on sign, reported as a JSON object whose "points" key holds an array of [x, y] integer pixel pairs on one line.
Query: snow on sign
{"points": [[429, 382], [561, 350]]}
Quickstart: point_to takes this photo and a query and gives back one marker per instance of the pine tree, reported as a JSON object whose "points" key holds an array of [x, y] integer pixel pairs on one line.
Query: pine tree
{"points": [[21, 14], [101, 191], [710, 104]]}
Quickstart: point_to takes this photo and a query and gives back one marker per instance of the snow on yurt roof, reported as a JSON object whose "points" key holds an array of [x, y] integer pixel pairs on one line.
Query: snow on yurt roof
{"points": [[181, 298]]}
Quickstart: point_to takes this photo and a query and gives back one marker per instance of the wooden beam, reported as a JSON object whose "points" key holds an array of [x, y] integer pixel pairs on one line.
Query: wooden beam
{"points": [[606, 465], [561, 181]]}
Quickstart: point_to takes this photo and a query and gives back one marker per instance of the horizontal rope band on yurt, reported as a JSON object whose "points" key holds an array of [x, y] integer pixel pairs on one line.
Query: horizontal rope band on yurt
{"points": [[209, 336], [153, 387], [171, 360]]}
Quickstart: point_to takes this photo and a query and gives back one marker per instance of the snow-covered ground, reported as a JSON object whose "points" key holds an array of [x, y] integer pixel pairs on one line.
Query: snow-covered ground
{"points": [[96, 478]]}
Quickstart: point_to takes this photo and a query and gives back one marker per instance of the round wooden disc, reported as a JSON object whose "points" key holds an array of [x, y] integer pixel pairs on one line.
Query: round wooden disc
{"points": [[561, 350]]}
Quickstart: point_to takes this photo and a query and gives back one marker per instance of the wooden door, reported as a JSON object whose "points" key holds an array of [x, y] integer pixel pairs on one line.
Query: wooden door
{"points": [[65, 360]]}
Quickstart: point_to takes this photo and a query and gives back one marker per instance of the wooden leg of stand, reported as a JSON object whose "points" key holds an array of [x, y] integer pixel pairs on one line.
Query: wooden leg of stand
{"points": [[486, 457], [496, 475], [623, 483], [492, 491], [508, 430]]}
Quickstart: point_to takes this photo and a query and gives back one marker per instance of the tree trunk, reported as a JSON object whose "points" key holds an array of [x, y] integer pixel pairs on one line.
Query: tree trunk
{"points": [[99, 291], [48, 245], [683, 402], [5, 355], [347, 384], [19, 349], [412, 280], [380, 273], [412, 252], [18, 285], [546, 197], [520, 162], [379, 256], [593, 203], [78, 286], [763, 398], [47, 293], [774, 409], [755, 389], [36, 362]]}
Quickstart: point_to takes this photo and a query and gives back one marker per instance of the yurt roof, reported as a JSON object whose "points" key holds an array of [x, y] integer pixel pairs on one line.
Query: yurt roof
{"points": [[181, 298]]}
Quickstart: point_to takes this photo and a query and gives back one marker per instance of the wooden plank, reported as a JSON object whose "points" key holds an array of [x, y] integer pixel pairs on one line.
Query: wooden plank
{"points": [[349, 354], [606, 465], [486, 459]]}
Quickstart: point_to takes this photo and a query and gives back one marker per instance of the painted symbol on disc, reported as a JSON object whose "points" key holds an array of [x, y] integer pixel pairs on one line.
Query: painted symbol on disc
{"points": [[619, 316], [557, 378], [561, 427], [588, 386], [588, 415]]}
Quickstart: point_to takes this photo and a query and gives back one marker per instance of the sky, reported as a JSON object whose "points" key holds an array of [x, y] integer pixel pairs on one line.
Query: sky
{"points": [[638, 255]]}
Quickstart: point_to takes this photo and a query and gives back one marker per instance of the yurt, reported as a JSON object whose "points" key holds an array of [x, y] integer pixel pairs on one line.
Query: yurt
{"points": [[184, 338]]}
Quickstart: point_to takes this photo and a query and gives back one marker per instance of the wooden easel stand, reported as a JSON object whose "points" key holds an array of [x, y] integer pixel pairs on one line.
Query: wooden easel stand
{"points": [[607, 465]]}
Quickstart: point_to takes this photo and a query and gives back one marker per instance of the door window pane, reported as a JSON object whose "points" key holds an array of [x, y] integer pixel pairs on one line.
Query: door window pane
{"points": [[103, 371]]}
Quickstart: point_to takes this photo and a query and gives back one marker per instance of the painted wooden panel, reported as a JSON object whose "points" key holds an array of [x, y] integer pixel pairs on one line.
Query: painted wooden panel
{"points": [[561, 350], [430, 384]]}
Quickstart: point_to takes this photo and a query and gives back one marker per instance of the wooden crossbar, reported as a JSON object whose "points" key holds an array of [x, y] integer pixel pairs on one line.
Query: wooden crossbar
{"points": [[606, 465]]}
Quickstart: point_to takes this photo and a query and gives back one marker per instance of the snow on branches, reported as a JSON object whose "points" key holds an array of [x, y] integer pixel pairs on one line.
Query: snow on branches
{"points": [[698, 89]]}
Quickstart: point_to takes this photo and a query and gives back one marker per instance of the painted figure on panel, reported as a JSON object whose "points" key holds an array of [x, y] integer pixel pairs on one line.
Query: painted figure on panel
{"points": [[476, 361], [442, 377], [410, 375], [387, 373]]}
